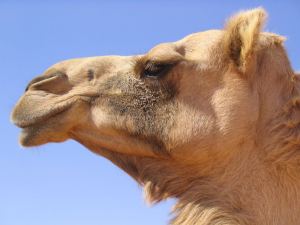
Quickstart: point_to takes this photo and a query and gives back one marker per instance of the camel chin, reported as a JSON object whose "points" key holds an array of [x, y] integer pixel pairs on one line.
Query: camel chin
{"points": [[39, 134]]}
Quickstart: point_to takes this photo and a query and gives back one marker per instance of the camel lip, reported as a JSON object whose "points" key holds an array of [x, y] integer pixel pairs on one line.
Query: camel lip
{"points": [[23, 123]]}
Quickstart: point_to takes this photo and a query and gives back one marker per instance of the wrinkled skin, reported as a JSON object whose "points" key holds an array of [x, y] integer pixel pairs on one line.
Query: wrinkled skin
{"points": [[185, 119]]}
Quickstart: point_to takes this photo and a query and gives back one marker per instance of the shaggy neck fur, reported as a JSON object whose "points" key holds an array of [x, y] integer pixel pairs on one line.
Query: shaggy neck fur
{"points": [[256, 195]]}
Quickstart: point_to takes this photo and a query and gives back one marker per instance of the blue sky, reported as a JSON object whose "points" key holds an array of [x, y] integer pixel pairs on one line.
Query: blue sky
{"points": [[65, 184]]}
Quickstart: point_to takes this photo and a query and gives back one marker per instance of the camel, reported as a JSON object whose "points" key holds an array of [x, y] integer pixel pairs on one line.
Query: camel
{"points": [[211, 120]]}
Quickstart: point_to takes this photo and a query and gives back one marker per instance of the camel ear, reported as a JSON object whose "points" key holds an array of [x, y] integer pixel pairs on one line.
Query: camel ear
{"points": [[241, 36]]}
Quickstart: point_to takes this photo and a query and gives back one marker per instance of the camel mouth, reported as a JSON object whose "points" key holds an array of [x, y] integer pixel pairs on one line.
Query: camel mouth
{"points": [[24, 121], [32, 131], [24, 116]]}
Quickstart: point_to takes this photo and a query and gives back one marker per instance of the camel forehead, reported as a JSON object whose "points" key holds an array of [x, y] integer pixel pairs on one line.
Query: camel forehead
{"points": [[195, 46], [204, 36]]}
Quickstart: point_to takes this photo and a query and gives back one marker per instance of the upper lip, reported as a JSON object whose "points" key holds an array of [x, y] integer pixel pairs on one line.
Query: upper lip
{"points": [[57, 109], [28, 123]]}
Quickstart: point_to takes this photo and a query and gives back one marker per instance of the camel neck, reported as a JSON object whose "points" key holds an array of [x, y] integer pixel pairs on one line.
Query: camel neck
{"points": [[259, 194]]}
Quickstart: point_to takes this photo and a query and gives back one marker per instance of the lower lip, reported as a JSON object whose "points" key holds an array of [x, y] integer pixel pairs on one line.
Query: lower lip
{"points": [[25, 137]]}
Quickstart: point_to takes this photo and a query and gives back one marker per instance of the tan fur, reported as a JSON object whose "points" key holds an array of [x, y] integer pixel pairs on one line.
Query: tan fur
{"points": [[242, 35], [218, 129]]}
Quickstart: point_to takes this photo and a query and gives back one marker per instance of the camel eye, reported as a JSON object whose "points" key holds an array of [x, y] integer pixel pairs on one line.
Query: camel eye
{"points": [[90, 74], [154, 70]]}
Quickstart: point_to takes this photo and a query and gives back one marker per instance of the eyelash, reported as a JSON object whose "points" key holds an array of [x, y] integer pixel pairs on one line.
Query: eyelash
{"points": [[155, 70], [90, 75]]}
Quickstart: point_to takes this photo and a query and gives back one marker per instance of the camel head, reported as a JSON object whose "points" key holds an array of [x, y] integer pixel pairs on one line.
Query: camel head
{"points": [[180, 119]]}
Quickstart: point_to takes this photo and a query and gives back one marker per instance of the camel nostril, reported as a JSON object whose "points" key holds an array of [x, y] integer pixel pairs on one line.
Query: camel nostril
{"points": [[42, 78]]}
